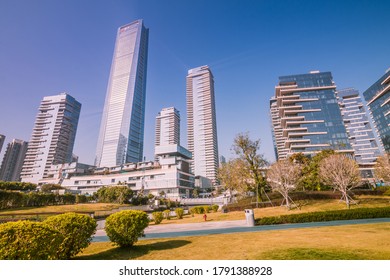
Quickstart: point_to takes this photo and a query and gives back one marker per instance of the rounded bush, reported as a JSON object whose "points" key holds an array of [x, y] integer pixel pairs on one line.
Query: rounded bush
{"points": [[157, 217], [215, 208], [26, 240], [77, 230], [125, 227], [179, 213]]}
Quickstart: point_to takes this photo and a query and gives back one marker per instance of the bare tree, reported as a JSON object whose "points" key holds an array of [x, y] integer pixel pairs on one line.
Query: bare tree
{"points": [[247, 150], [342, 173], [382, 168], [283, 176], [234, 175]]}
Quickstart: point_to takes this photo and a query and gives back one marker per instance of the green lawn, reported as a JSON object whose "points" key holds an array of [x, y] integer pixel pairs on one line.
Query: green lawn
{"points": [[363, 242]]}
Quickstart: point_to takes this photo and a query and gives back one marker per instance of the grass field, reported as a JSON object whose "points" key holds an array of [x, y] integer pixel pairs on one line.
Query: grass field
{"points": [[352, 242]]}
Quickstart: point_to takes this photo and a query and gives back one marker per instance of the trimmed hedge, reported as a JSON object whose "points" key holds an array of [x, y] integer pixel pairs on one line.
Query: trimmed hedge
{"points": [[77, 230], [125, 227], [179, 213], [25, 240], [350, 214], [157, 217]]}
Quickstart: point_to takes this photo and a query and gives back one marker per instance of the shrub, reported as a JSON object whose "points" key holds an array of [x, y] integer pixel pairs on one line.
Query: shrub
{"points": [[157, 217], [351, 214], [193, 211], [206, 209], [77, 230], [25, 240], [215, 208], [167, 214], [125, 227], [81, 198], [179, 213]]}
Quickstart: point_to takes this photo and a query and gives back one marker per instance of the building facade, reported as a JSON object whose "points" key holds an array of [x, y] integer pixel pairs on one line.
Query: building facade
{"points": [[306, 117], [53, 136], [202, 123], [359, 130], [167, 127], [11, 167], [122, 127], [378, 103]]}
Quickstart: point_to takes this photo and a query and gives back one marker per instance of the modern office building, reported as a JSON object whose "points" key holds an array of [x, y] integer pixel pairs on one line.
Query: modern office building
{"points": [[169, 175], [167, 127], [378, 103], [359, 130], [53, 136], [2, 139], [306, 117], [202, 123], [11, 167], [122, 127]]}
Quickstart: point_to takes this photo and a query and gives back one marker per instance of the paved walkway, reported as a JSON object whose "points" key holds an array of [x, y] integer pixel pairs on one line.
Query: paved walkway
{"points": [[207, 228]]}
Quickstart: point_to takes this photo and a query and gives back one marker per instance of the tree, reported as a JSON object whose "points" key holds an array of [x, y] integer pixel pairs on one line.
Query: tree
{"points": [[340, 172], [283, 177], [310, 179], [247, 150], [115, 194], [50, 187], [234, 176], [382, 168]]}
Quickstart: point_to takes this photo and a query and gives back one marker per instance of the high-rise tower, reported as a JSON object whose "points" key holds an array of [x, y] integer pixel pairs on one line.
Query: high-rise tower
{"points": [[378, 103], [2, 138], [306, 117], [201, 122], [13, 160], [168, 127], [359, 130], [122, 128], [53, 136]]}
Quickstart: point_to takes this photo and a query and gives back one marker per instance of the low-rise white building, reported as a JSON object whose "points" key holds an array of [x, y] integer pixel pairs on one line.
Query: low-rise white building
{"points": [[170, 175]]}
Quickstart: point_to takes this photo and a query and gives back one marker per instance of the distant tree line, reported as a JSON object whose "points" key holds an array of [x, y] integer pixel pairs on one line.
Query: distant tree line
{"points": [[17, 186]]}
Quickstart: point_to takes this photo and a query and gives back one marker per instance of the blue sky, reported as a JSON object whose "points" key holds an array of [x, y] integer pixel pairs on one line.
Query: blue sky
{"points": [[50, 46]]}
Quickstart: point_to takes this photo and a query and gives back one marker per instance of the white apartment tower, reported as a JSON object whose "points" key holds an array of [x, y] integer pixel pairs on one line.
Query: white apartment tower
{"points": [[201, 122], [53, 136], [121, 134], [168, 127]]}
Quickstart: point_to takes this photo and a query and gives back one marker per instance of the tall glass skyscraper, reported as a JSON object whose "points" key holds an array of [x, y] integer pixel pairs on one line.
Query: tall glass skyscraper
{"points": [[306, 117], [53, 136], [202, 123], [122, 128], [359, 130], [2, 138], [378, 102]]}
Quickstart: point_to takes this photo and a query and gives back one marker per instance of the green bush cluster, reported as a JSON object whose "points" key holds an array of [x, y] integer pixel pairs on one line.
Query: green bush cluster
{"points": [[17, 186], [179, 213], [59, 237], [203, 209], [115, 194], [12, 199], [157, 217], [125, 227], [215, 207], [350, 214]]}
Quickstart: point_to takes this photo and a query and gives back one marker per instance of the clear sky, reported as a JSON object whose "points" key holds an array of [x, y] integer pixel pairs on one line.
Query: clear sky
{"points": [[51, 46]]}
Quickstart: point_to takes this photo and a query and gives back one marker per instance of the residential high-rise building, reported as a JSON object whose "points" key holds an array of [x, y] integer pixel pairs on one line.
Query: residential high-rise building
{"points": [[167, 127], [202, 123], [2, 139], [13, 160], [306, 117], [359, 130], [378, 103], [53, 136], [122, 128]]}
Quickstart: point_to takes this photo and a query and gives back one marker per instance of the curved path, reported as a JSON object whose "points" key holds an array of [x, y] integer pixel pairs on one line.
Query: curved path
{"points": [[207, 228]]}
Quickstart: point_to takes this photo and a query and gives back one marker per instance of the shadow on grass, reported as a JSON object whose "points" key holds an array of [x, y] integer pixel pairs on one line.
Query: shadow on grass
{"points": [[117, 253]]}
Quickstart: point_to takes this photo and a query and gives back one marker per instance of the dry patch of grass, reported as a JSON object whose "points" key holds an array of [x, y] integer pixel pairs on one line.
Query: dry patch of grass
{"points": [[365, 242]]}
